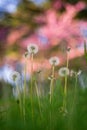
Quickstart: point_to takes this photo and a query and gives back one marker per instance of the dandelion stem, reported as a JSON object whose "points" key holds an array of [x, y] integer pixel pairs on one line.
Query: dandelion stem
{"points": [[32, 84], [51, 84], [51, 93], [67, 64], [65, 93], [65, 86], [31, 73], [24, 91]]}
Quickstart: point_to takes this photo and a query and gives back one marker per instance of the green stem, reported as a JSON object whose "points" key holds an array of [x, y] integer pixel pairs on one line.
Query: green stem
{"points": [[65, 93], [20, 102], [67, 62], [75, 90], [76, 83], [32, 84], [38, 99], [31, 72], [50, 119], [24, 91], [51, 93], [51, 84], [65, 86]]}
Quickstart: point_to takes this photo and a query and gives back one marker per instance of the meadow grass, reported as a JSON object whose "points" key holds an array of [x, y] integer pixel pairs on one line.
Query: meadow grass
{"points": [[75, 119]]}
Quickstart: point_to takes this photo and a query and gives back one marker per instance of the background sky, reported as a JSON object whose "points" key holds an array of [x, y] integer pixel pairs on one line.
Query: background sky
{"points": [[8, 5]]}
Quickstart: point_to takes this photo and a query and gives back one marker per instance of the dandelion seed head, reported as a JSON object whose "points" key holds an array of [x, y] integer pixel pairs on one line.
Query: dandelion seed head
{"points": [[68, 49], [26, 54], [32, 48], [15, 76], [54, 60], [64, 71]]}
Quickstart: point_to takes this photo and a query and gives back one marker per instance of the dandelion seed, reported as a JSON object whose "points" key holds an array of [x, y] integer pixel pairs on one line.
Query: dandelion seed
{"points": [[64, 71], [54, 61], [32, 48]]}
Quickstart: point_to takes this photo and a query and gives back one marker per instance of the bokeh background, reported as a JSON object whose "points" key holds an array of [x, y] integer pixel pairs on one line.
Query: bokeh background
{"points": [[53, 25]]}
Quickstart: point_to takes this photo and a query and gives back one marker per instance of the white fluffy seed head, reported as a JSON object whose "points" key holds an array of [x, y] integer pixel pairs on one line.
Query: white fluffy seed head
{"points": [[32, 48], [15, 76], [64, 71], [54, 61]]}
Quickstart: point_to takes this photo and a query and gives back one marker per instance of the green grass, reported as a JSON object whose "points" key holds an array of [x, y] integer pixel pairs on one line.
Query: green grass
{"points": [[52, 118]]}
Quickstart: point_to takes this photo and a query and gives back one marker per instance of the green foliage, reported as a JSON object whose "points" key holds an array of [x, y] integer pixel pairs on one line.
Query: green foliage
{"points": [[75, 119], [81, 14], [24, 15]]}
